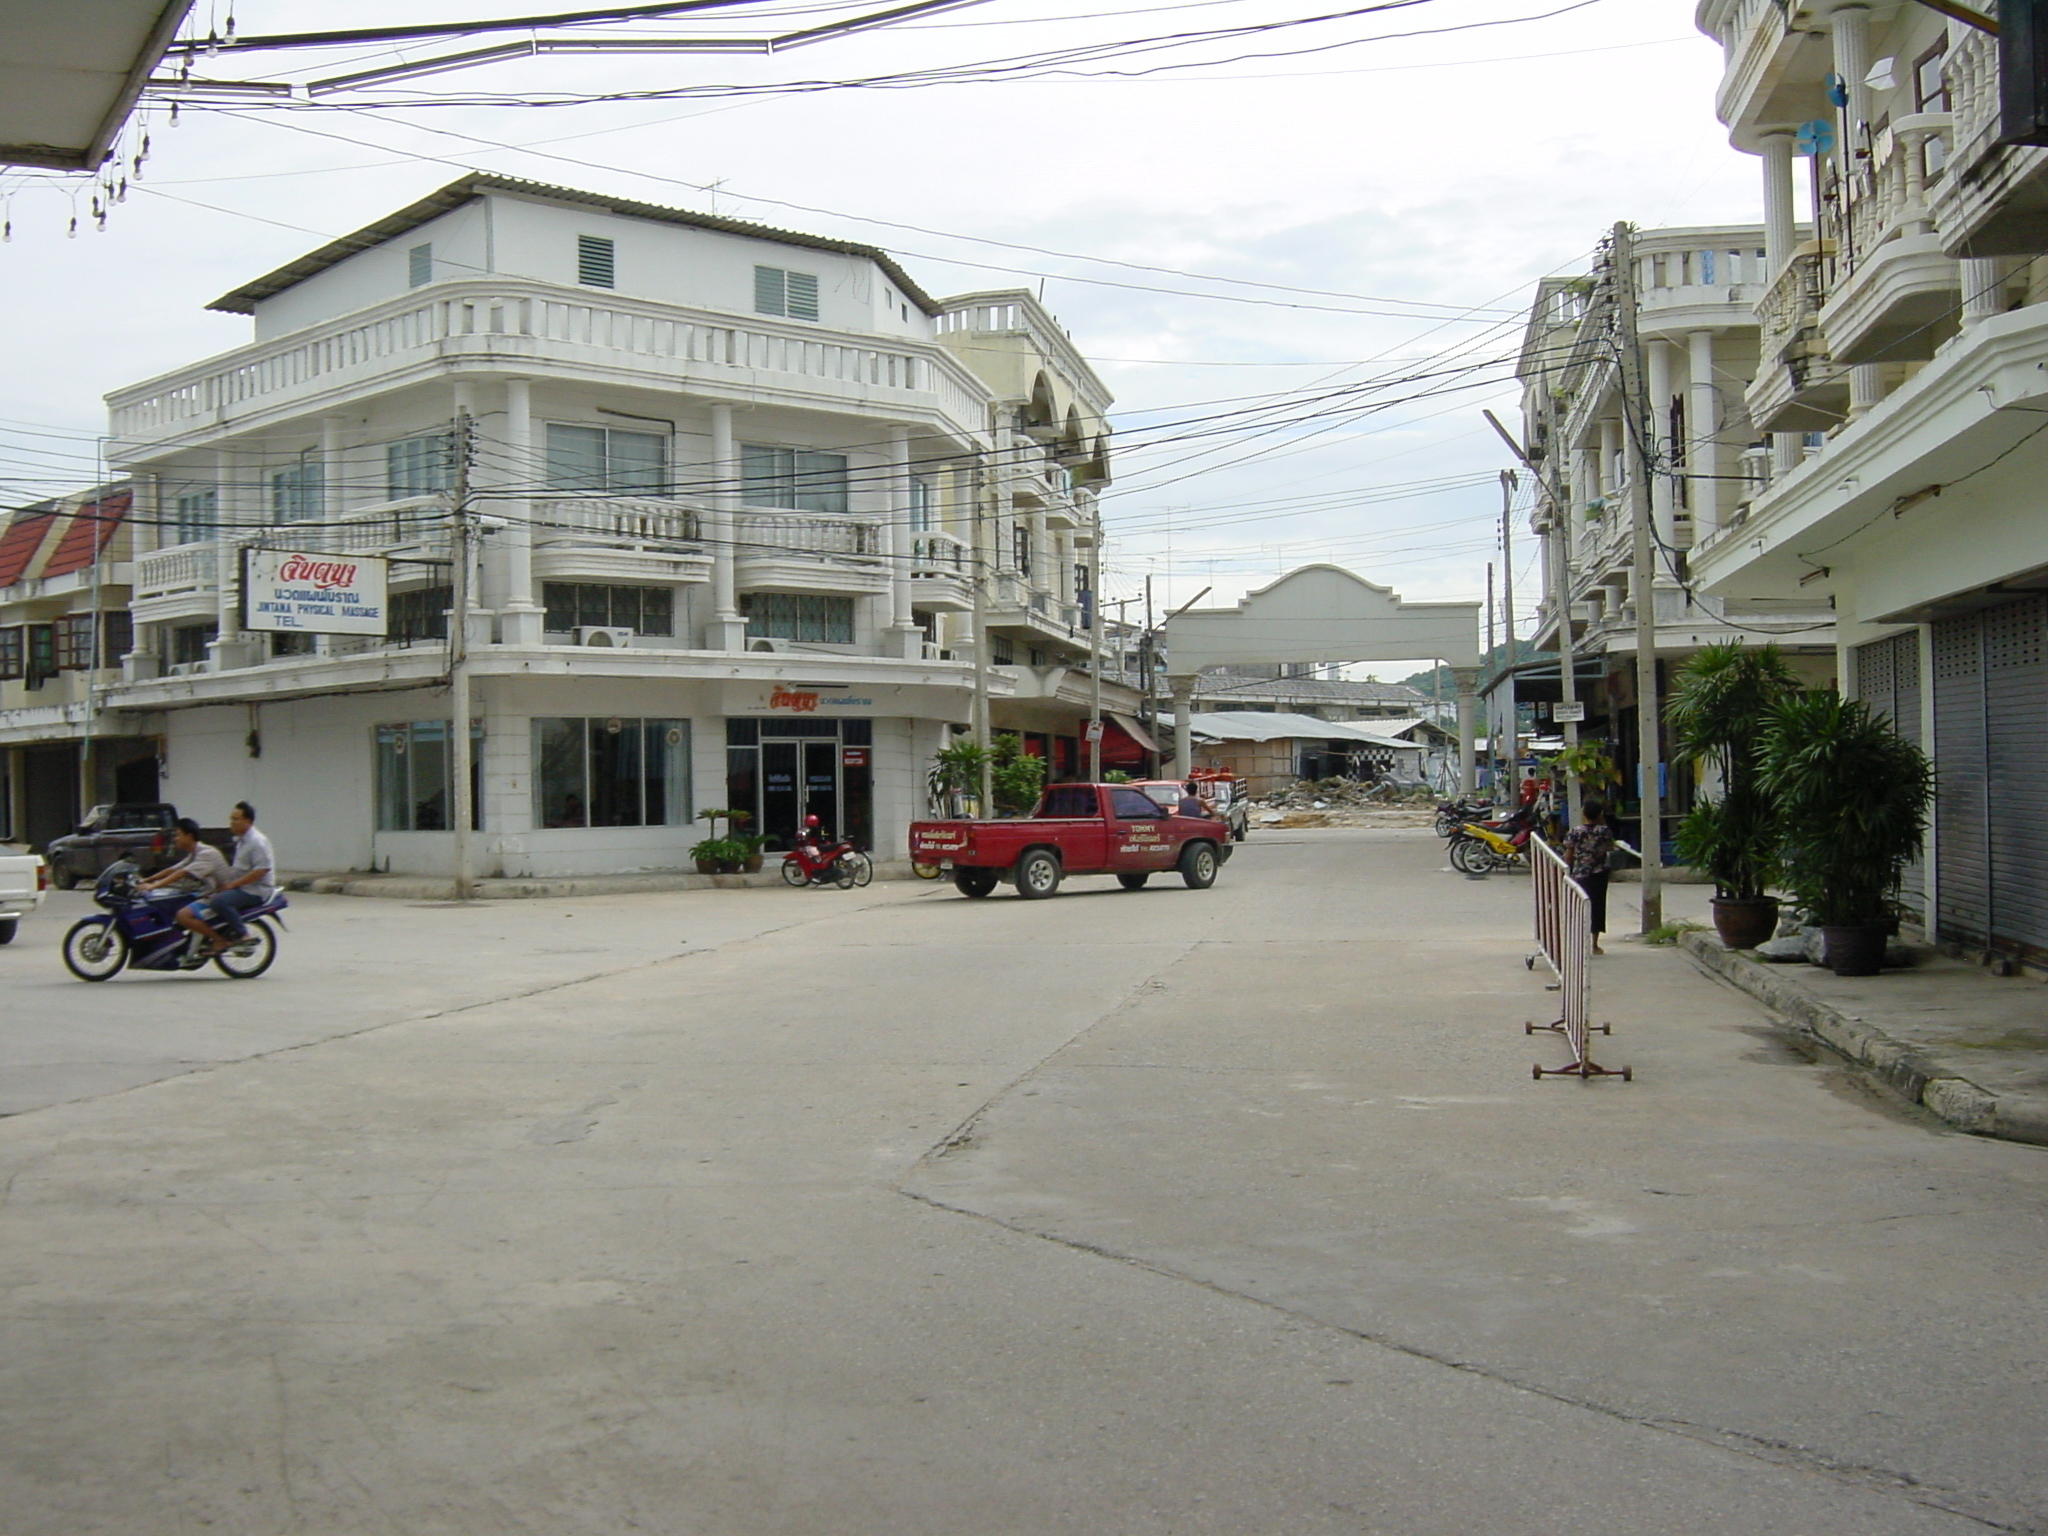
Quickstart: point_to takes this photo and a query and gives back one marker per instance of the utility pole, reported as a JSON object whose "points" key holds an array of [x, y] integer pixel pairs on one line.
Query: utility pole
{"points": [[1507, 612], [459, 746], [1636, 418], [984, 495], [1492, 695], [1095, 647], [1145, 665]]}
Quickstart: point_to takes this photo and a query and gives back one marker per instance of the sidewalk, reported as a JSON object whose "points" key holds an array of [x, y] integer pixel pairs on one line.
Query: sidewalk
{"points": [[1967, 1045]]}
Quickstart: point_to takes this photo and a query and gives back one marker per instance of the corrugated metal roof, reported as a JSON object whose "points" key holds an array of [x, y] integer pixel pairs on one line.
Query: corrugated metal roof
{"points": [[243, 300], [77, 547], [1259, 725]]}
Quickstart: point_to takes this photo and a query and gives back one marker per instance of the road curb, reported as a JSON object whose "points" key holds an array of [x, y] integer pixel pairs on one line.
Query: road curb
{"points": [[1906, 1070], [429, 888]]}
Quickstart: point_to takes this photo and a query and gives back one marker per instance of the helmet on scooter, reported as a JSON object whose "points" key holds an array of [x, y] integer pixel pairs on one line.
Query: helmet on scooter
{"points": [[812, 821]]}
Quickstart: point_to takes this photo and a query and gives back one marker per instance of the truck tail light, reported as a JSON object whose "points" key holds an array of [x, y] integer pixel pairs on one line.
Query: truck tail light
{"points": [[42, 875]]}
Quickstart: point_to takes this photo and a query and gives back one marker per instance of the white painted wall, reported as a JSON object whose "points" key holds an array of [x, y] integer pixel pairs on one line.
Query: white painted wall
{"points": [[462, 248]]}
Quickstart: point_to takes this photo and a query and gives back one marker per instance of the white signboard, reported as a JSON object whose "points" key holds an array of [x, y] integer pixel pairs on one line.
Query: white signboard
{"points": [[1568, 714], [289, 592]]}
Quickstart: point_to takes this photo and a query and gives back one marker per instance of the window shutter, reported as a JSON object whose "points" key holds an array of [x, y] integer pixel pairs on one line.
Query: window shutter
{"points": [[768, 291], [419, 263], [802, 295], [595, 264]]}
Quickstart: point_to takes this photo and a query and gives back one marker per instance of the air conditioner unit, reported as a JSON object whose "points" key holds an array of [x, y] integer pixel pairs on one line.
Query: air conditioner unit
{"points": [[603, 635], [765, 644]]}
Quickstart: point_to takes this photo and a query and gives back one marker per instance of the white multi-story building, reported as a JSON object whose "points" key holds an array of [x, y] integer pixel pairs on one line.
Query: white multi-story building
{"points": [[1695, 293], [734, 485], [1910, 334]]}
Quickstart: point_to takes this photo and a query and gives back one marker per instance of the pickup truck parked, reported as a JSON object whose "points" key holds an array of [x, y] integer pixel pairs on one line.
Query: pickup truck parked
{"points": [[140, 834], [22, 879], [1077, 829]]}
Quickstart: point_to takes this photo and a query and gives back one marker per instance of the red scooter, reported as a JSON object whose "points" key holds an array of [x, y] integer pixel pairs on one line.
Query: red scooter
{"points": [[817, 860]]}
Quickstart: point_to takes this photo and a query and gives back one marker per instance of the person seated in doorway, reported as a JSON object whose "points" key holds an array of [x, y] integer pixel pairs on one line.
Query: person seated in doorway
{"points": [[248, 884]]}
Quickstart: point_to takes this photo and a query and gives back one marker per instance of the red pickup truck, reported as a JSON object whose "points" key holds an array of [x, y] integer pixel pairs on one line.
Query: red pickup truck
{"points": [[1078, 829]]}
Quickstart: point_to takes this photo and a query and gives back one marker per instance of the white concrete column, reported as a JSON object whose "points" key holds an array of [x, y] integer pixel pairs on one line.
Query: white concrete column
{"points": [[1866, 388], [727, 631], [522, 620], [1703, 457], [1780, 227], [905, 639], [333, 471], [1849, 27], [1983, 280], [1183, 725], [1466, 681], [1663, 503]]}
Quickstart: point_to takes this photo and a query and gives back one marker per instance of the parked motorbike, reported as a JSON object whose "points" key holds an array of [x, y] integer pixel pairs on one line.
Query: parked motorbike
{"points": [[1453, 814], [139, 928], [818, 860], [1480, 847]]}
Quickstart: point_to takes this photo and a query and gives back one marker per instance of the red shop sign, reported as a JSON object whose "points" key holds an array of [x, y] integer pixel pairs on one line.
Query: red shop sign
{"points": [[854, 757]]}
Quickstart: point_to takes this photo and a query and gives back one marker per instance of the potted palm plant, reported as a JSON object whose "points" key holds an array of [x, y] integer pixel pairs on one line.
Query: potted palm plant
{"points": [[1722, 700], [1852, 797]]}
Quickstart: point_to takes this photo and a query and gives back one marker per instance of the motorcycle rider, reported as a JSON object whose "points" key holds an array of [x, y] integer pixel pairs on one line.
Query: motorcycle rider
{"points": [[202, 863], [247, 886]]}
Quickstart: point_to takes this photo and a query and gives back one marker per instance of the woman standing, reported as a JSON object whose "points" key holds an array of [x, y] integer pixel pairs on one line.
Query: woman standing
{"points": [[1586, 850]]}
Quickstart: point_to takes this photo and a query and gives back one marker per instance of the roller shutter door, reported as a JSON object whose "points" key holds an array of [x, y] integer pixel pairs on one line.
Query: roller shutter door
{"points": [[1888, 680], [1960, 841], [2016, 736], [1991, 741]]}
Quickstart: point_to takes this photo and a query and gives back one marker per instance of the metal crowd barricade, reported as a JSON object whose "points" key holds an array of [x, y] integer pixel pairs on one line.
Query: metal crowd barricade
{"points": [[1564, 939]]}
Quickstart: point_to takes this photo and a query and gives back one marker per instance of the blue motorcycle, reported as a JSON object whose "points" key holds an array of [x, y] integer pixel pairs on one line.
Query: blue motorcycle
{"points": [[140, 929]]}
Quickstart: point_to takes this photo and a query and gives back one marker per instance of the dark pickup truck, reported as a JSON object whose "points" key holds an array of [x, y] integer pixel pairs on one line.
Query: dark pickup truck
{"points": [[1078, 829], [141, 834]]}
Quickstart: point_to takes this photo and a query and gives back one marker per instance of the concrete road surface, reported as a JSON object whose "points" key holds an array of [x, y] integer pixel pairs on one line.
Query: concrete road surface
{"points": [[1162, 1212]]}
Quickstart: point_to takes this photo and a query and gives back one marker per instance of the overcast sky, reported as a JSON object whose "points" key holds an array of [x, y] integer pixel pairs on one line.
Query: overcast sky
{"points": [[1446, 172]]}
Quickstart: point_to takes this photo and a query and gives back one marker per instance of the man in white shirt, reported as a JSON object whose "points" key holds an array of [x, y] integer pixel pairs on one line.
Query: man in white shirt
{"points": [[249, 883]]}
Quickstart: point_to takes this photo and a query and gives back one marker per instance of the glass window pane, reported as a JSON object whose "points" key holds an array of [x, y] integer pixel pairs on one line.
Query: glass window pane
{"points": [[575, 458], [393, 794], [614, 773], [593, 605], [559, 598], [743, 781], [429, 789], [657, 611], [767, 476], [637, 462], [821, 482], [667, 759], [625, 604], [560, 796]]}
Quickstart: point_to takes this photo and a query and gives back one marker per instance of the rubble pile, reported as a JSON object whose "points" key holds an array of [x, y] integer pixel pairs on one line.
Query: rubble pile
{"points": [[1344, 803]]}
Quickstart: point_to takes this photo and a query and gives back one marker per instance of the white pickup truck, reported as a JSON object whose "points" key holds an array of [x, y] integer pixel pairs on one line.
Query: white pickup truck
{"points": [[22, 879]]}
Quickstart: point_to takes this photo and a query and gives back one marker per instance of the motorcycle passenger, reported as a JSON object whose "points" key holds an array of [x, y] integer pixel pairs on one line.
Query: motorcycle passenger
{"points": [[201, 865], [1191, 803], [248, 884]]}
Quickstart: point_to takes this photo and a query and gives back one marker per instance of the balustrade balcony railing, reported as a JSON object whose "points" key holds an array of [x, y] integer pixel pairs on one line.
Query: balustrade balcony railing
{"points": [[615, 522], [808, 533], [939, 554], [181, 571], [529, 320]]}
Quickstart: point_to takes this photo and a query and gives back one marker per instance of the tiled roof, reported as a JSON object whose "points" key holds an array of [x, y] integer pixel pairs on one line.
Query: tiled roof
{"points": [[91, 526], [18, 545]]}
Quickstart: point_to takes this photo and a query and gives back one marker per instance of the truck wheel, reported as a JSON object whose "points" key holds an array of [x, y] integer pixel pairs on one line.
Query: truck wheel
{"points": [[1198, 865], [61, 876], [974, 882], [1134, 882], [1038, 874], [7, 927]]}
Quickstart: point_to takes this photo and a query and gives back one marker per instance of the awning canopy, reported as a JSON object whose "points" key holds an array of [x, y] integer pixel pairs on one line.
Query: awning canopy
{"points": [[1133, 729]]}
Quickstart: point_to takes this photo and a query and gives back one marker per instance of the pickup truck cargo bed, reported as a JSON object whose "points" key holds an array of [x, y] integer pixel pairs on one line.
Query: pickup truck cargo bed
{"points": [[1077, 829]]}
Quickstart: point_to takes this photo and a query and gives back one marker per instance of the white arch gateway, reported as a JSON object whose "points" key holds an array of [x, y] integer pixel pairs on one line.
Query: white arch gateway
{"points": [[1323, 613]]}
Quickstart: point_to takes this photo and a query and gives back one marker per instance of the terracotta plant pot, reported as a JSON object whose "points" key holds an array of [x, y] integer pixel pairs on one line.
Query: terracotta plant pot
{"points": [[1745, 922], [707, 866], [753, 864], [1856, 950]]}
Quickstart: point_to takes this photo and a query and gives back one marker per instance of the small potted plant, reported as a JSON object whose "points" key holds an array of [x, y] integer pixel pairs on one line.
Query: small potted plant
{"points": [[1851, 797], [717, 855], [1720, 705]]}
